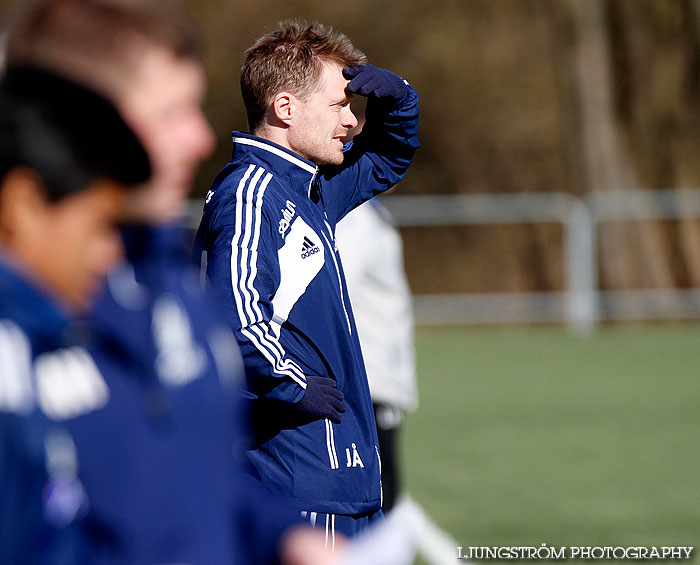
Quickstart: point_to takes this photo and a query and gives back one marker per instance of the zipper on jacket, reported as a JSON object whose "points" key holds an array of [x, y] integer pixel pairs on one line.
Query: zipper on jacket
{"points": [[313, 179], [331, 246], [340, 280]]}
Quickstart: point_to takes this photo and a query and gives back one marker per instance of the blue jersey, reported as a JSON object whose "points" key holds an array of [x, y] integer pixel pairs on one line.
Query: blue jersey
{"points": [[157, 455], [41, 497], [267, 236]]}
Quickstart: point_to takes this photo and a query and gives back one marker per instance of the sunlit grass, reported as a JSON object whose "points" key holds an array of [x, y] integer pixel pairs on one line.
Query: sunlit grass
{"points": [[531, 437]]}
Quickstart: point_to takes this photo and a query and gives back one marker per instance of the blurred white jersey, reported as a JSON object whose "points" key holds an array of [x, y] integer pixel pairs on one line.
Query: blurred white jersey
{"points": [[372, 254]]}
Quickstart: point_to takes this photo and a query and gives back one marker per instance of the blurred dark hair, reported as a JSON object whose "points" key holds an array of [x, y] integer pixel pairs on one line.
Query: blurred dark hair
{"points": [[291, 59], [70, 136]]}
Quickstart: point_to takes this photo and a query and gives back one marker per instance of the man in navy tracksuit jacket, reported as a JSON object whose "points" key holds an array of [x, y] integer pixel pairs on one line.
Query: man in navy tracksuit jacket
{"points": [[267, 237], [57, 240]]}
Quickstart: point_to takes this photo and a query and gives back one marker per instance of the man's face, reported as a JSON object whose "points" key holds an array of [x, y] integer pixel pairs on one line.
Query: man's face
{"points": [[75, 242], [324, 119], [163, 106]]}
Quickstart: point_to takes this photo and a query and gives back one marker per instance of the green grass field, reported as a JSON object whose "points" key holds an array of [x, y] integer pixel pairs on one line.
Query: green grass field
{"points": [[526, 437]]}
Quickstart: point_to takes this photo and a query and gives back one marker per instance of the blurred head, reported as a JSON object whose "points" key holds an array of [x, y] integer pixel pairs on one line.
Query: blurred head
{"points": [[61, 192], [295, 60], [163, 105], [144, 56]]}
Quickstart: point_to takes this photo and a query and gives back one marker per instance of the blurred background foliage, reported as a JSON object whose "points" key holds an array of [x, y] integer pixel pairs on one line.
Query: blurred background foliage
{"points": [[491, 108], [516, 96], [497, 81]]}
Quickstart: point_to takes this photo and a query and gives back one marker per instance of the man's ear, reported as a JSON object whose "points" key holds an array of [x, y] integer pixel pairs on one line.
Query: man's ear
{"points": [[283, 106], [23, 204]]}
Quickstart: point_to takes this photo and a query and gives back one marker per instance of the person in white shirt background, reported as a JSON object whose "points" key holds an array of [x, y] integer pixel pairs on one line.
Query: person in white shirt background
{"points": [[372, 254]]}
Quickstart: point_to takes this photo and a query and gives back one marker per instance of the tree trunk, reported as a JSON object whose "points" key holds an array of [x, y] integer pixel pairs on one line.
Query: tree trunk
{"points": [[631, 254]]}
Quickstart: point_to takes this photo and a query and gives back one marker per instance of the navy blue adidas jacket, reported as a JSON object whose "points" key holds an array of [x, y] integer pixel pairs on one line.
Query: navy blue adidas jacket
{"points": [[267, 236], [40, 493], [157, 456]]}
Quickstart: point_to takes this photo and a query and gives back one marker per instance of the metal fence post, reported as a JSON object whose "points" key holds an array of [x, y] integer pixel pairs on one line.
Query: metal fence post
{"points": [[581, 268]]}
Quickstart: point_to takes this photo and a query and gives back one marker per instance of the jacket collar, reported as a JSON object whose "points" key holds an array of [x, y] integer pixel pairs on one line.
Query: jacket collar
{"points": [[300, 172]]}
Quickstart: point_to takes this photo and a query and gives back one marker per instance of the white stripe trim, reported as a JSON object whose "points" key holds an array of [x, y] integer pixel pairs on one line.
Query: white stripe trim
{"points": [[332, 532], [381, 486], [295, 160], [311, 183], [335, 453], [234, 243], [248, 270], [330, 231], [244, 281], [280, 367], [273, 347], [312, 519], [340, 281], [272, 344], [327, 529], [246, 239], [330, 444], [254, 247]]}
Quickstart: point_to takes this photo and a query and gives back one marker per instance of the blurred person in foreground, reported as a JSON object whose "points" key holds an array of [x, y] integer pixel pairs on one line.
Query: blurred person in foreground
{"points": [[267, 238], [372, 251], [157, 457], [60, 198]]}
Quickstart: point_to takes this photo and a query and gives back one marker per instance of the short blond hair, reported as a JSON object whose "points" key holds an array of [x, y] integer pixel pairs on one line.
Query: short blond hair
{"points": [[291, 59]]}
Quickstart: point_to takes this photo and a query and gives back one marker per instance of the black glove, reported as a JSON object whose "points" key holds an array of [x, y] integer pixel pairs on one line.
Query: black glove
{"points": [[368, 80], [322, 399]]}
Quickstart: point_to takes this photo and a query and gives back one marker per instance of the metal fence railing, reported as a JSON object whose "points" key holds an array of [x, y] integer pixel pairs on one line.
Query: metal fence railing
{"points": [[581, 305]]}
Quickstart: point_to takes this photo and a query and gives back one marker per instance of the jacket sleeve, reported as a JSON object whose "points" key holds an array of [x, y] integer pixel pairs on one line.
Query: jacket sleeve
{"points": [[376, 159], [242, 268]]}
